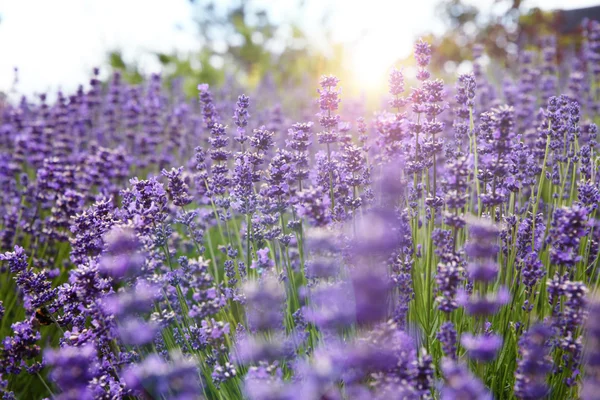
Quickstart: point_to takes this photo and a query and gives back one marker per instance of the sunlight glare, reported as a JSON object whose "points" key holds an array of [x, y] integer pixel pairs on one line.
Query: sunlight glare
{"points": [[370, 63]]}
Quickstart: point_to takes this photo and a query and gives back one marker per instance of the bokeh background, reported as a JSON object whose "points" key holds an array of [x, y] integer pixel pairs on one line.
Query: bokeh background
{"points": [[56, 44]]}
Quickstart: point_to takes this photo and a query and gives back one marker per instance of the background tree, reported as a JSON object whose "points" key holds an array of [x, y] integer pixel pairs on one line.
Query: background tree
{"points": [[243, 41]]}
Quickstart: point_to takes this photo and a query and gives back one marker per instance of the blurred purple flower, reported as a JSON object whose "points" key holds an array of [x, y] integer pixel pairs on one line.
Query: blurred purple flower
{"points": [[482, 348]]}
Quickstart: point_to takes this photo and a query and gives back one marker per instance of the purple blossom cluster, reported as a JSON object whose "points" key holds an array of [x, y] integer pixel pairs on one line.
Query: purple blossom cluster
{"points": [[224, 248]]}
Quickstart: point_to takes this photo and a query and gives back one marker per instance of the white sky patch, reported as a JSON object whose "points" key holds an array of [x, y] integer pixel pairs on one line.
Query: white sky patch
{"points": [[56, 44]]}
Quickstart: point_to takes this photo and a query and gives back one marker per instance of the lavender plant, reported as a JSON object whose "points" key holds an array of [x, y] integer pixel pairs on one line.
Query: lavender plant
{"points": [[448, 248]]}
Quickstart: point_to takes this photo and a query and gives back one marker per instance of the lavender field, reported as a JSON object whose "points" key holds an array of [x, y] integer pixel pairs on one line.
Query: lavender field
{"points": [[245, 244]]}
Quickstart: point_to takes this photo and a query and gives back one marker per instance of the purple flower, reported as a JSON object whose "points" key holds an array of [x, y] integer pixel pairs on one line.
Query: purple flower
{"points": [[208, 299], [532, 270], [214, 332], [569, 225], [135, 331], [314, 205], [19, 348], [459, 383], [482, 348], [264, 303], [379, 234], [263, 262], [222, 373], [177, 188], [265, 382], [483, 236], [485, 271], [574, 306], [177, 379], [240, 117], [466, 92], [17, 260], [262, 139], [121, 257], [138, 299], [89, 227], [486, 304], [244, 176], [299, 141], [423, 56], [455, 184], [36, 288], [328, 102], [209, 112], [396, 84], [588, 195], [525, 235], [218, 153], [362, 300], [72, 369], [534, 363], [279, 176], [145, 202], [253, 349], [402, 281], [331, 305], [372, 290], [591, 382], [450, 274], [447, 337], [497, 132]]}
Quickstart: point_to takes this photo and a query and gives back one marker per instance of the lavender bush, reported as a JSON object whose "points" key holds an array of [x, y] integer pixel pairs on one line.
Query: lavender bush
{"points": [[229, 247]]}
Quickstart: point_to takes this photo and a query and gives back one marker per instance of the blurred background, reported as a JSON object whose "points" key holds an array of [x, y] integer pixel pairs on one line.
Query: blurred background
{"points": [[56, 44]]}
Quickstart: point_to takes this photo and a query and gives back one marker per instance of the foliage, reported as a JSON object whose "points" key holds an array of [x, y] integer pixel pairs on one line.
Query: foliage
{"points": [[240, 41]]}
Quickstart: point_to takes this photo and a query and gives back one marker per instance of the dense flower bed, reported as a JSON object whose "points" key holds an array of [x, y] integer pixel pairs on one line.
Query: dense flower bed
{"points": [[447, 247]]}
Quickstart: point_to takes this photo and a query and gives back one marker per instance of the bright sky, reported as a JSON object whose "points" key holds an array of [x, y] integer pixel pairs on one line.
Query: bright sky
{"points": [[55, 44]]}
